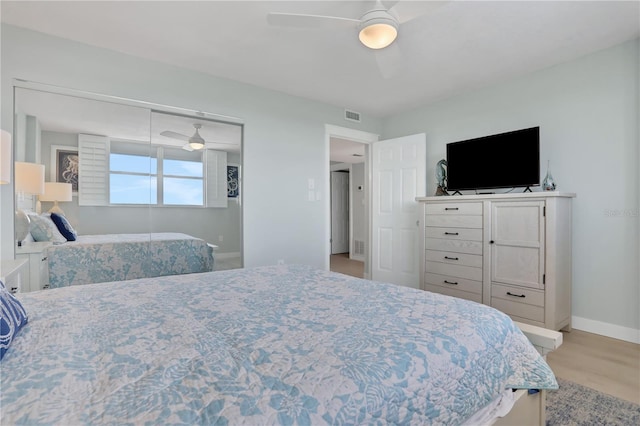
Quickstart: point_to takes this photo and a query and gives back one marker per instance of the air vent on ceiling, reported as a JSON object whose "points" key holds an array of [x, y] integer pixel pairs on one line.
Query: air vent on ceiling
{"points": [[351, 115]]}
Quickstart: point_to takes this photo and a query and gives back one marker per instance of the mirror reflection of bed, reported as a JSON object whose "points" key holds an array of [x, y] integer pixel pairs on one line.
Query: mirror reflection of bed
{"points": [[137, 176]]}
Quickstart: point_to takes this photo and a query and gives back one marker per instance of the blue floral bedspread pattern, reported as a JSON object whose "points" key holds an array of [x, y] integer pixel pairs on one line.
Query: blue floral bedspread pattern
{"points": [[269, 345], [118, 257]]}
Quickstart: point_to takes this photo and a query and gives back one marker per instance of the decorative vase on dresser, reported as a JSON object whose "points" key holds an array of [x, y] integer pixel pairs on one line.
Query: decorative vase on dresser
{"points": [[509, 251]]}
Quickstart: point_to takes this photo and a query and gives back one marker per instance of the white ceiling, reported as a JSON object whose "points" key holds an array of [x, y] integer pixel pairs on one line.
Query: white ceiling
{"points": [[456, 47], [346, 151], [453, 47]]}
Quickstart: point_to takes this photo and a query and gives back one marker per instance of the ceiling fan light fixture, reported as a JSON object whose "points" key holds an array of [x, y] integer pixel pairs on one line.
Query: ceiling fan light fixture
{"points": [[196, 144], [379, 31], [196, 141]]}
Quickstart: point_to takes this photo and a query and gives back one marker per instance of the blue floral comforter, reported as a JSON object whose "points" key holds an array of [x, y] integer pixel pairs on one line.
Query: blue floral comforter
{"points": [[269, 345], [110, 257]]}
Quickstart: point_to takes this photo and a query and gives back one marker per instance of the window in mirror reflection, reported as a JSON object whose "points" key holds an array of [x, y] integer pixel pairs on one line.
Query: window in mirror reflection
{"points": [[183, 182], [142, 174]]}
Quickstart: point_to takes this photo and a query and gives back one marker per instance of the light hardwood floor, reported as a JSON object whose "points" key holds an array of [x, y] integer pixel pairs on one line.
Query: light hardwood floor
{"points": [[608, 365], [342, 264]]}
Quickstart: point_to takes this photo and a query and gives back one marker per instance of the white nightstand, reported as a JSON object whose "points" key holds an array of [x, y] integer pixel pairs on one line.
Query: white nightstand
{"points": [[12, 274], [37, 277]]}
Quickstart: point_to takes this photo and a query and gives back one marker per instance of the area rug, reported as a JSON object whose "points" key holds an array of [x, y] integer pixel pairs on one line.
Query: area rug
{"points": [[577, 405]]}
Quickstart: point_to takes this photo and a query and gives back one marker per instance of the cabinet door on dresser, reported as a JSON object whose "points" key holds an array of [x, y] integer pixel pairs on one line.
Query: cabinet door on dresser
{"points": [[517, 243], [453, 249]]}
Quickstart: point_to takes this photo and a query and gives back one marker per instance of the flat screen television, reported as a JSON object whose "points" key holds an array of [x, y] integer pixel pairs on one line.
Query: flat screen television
{"points": [[505, 160]]}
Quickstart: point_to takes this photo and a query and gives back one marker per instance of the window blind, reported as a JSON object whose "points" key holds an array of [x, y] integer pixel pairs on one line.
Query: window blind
{"points": [[93, 170]]}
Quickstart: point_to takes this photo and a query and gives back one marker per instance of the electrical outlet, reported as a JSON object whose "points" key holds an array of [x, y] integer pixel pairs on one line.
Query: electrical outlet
{"points": [[220, 238]]}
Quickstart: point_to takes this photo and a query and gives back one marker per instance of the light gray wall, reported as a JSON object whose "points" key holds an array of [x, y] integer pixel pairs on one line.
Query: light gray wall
{"points": [[284, 136], [588, 113]]}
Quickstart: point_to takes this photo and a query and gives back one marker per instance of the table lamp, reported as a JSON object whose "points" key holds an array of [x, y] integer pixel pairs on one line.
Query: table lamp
{"points": [[56, 191], [29, 180]]}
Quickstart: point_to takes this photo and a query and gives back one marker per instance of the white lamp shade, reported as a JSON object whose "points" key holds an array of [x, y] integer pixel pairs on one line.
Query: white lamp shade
{"points": [[29, 178], [56, 191], [5, 157]]}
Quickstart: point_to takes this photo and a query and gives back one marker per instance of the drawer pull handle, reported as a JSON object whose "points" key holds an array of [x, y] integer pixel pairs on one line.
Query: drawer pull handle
{"points": [[450, 233], [451, 208], [450, 282], [451, 258], [44, 258], [515, 295]]}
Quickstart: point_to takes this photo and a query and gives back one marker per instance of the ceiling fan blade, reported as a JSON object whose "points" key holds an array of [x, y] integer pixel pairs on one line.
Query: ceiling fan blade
{"points": [[310, 21], [175, 135], [405, 11], [220, 143], [390, 60]]}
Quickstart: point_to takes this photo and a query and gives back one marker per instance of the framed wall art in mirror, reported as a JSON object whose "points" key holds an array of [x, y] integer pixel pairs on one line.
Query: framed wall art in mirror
{"points": [[64, 165], [233, 180]]}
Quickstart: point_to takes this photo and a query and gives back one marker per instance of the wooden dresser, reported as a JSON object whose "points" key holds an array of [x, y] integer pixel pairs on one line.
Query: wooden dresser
{"points": [[509, 251]]}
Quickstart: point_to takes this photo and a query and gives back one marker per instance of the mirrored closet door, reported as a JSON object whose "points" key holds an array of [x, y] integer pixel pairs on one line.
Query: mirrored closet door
{"points": [[131, 170]]}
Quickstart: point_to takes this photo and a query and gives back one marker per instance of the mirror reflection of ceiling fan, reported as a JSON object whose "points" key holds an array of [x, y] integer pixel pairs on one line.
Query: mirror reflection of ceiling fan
{"points": [[377, 28], [194, 142]]}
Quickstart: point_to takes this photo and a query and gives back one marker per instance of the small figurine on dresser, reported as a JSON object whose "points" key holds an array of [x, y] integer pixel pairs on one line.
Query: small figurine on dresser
{"points": [[441, 176]]}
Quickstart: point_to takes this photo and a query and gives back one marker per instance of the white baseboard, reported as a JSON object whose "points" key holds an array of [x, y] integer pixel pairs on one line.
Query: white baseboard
{"points": [[226, 255], [357, 257], [627, 334]]}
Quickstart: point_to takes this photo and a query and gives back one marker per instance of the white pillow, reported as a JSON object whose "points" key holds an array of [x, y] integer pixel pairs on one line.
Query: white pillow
{"points": [[42, 228]]}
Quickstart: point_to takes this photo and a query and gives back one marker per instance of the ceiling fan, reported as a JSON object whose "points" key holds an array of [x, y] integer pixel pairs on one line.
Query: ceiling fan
{"points": [[194, 142], [377, 28]]}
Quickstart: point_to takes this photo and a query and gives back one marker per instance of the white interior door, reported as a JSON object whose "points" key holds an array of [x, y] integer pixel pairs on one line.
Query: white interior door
{"points": [[398, 177], [339, 212]]}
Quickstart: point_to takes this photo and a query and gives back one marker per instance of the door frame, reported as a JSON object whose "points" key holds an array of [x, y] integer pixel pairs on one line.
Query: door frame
{"points": [[356, 136]]}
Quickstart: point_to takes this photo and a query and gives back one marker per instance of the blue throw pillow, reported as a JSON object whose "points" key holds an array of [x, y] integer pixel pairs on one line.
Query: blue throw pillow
{"points": [[42, 228], [64, 226], [13, 318]]}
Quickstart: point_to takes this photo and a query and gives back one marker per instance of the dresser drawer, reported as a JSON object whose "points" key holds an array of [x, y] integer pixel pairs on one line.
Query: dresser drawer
{"points": [[468, 272], [454, 258], [471, 234], [458, 246], [454, 293], [457, 283], [520, 310], [453, 221], [518, 294], [454, 208]]}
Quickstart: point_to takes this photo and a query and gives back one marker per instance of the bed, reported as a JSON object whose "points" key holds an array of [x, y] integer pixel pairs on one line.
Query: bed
{"points": [[117, 257], [282, 344]]}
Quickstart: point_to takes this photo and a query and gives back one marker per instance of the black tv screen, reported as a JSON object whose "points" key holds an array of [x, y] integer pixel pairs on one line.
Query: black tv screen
{"points": [[504, 160]]}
